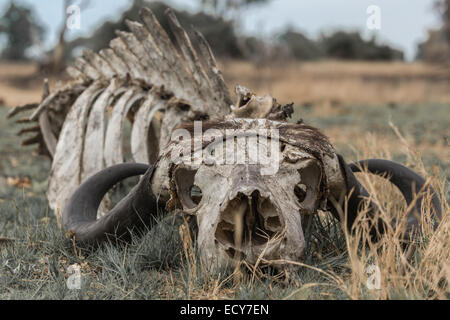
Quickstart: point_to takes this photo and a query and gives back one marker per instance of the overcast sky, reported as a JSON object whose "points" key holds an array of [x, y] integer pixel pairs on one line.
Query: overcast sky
{"points": [[404, 23]]}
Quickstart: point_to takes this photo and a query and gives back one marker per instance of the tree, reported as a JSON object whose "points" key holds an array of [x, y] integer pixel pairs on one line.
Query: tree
{"points": [[300, 46], [221, 7], [22, 31], [229, 9], [351, 46], [218, 32], [436, 49], [443, 8]]}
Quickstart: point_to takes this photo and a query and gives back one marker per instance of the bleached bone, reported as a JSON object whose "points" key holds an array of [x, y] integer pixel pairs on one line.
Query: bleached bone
{"points": [[144, 58], [114, 137], [87, 69], [73, 87], [66, 166], [190, 56], [74, 73], [141, 129], [22, 108], [100, 64], [116, 63], [135, 68], [49, 138], [155, 78], [177, 83], [249, 105], [93, 157]]}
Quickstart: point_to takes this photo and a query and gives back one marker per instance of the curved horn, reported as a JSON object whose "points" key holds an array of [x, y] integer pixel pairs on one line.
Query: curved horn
{"points": [[135, 210], [407, 181]]}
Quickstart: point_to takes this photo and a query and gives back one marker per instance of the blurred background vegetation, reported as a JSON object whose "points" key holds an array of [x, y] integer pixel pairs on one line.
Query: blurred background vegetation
{"points": [[219, 22], [23, 41]]}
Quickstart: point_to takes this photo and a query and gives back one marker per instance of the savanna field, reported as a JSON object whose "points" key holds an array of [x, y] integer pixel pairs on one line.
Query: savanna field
{"points": [[394, 111]]}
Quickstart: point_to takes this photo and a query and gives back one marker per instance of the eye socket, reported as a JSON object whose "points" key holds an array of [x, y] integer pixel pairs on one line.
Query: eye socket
{"points": [[307, 190], [189, 194], [196, 195], [300, 191]]}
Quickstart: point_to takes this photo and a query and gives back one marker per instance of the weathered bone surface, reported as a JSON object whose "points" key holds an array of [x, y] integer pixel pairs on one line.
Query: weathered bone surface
{"points": [[238, 201], [248, 200], [142, 74]]}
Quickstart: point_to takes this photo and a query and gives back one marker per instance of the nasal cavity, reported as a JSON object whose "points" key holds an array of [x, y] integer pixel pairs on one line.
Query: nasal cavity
{"points": [[247, 221]]}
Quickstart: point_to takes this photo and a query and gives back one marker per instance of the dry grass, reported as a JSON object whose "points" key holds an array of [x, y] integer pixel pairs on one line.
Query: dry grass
{"points": [[335, 267], [422, 271], [323, 82], [419, 271], [332, 82], [21, 83]]}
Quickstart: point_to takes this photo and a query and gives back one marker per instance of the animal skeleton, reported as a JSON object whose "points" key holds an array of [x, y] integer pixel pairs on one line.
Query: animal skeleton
{"points": [[160, 86]]}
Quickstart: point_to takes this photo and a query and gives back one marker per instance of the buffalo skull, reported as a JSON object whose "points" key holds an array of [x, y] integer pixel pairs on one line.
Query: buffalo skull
{"points": [[245, 206]]}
